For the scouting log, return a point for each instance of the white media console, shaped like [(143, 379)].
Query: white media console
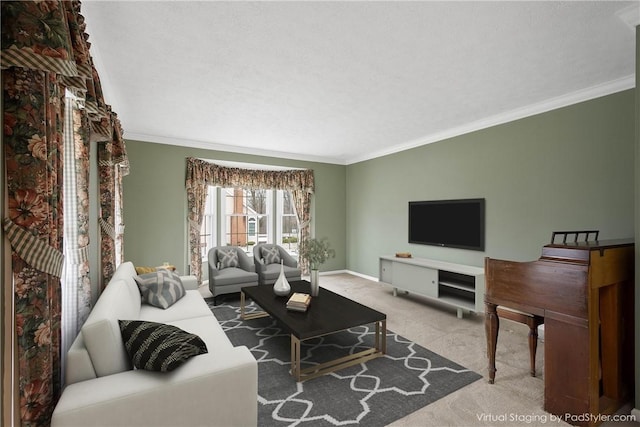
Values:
[(461, 286)]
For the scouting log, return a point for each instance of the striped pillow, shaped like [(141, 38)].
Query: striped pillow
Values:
[(159, 347), (162, 288)]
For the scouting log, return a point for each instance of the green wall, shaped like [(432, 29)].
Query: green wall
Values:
[(155, 203), (568, 169)]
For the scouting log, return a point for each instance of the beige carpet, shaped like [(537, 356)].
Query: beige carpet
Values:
[(515, 399)]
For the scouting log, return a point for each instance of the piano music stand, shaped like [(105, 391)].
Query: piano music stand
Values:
[(576, 236)]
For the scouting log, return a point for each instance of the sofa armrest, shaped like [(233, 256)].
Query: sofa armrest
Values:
[(189, 282), (217, 388), (259, 265)]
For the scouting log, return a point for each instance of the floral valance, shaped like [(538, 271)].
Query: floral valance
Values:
[(202, 172), (50, 36), (36, 36)]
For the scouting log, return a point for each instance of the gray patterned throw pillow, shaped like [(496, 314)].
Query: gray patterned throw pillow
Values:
[(227, 258), (270, 255), (159, 347), (162, 288)]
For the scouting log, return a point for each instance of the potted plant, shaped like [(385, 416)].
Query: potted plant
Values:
[(316, 251)]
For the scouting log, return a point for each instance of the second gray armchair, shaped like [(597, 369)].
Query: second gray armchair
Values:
[(267, 257)]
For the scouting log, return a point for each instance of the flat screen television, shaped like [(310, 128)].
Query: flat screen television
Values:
[(449, 223)]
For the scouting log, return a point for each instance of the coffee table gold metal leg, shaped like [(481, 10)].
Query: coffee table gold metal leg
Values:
[(383, 337), (241, 305), (295, 358), (379, 349), (248, 316)]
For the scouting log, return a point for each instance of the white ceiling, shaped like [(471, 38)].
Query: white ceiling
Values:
[(342, 82)]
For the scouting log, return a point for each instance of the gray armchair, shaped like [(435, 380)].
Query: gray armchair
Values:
[(268, 268), (229, 270)]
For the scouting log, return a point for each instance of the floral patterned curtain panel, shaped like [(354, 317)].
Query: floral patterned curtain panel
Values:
[(32, 142), (201, 174), (45, 50)]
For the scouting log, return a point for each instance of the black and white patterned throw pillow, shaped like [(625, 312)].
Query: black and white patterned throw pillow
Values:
[(162, 288), (227, 258), (270, 255), (159, 347)]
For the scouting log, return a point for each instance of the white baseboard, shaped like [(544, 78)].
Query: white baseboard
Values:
[(353, 273), (332, 272), (364, 276), (636, 413)]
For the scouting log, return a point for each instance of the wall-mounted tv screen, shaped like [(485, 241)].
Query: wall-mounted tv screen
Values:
[(450, 223)]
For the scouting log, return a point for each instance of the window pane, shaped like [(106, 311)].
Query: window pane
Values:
[(287, 205), (288, 222), (256, 201), (247, 217), (289, 225), (263, 224), (208, 229)]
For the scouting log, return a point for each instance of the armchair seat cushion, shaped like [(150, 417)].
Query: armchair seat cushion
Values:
[(232, 276), (272, 271)]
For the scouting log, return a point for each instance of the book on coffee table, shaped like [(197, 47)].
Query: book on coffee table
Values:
[(299, 301)]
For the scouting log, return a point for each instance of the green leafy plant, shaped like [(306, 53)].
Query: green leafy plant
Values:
[(317, 251)]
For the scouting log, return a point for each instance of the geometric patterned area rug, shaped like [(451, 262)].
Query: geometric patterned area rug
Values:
[(374, 393)]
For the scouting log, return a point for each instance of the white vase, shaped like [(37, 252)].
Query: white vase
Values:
[(281, 287), (315, 283)]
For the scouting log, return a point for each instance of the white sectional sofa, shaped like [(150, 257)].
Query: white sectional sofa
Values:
[(218, 388)]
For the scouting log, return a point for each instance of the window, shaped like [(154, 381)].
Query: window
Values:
[(209, 225), (287, 222), (248, 217)]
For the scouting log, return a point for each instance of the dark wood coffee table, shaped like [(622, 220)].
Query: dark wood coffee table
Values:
[(328, 313)]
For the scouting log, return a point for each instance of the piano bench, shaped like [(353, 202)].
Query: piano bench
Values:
[(532, 321)]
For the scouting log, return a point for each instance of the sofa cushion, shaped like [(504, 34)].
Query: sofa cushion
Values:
[(227, 258), (157, 346), (208, 329), (191, 305), (162, 288), (271, 255), (101, 333)]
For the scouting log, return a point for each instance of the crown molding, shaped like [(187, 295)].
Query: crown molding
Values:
[(608, 88), (229, 148), (630, 16)]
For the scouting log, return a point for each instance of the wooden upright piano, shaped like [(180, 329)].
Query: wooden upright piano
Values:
[(585, 292)]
